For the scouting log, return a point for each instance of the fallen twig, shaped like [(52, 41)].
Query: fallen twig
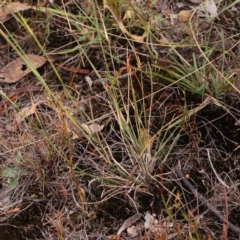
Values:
[(204, 201), (128, 223), (16, 93)]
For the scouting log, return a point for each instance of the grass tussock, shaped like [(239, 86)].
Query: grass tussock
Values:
[(134, 129)]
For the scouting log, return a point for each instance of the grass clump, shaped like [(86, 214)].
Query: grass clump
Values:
[(135, 107)]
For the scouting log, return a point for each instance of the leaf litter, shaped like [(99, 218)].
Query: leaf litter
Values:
[(17, 69), (79, 160), (13, 7)]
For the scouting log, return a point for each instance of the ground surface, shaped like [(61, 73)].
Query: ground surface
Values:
[(158, 89)]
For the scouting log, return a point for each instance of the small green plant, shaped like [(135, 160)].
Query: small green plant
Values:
[(14, 173), (203, 80)]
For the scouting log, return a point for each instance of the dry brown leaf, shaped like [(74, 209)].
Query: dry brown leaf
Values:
[(13, 7), (16, 7), (21, 115), (77, 130), (93, 128), (131, 220), (26, 111), (74, 129), (17, 69)]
